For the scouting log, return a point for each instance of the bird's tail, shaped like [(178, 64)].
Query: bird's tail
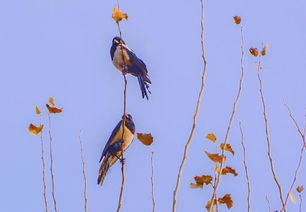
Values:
[(103, 170), (144, 85)]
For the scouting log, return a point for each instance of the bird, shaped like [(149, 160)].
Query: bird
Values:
[(126, 61), (116, 142)]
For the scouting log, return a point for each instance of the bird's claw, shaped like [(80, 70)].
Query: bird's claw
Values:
[(122, 160)]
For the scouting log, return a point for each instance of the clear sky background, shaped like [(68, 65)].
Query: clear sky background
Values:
[(61, 49)]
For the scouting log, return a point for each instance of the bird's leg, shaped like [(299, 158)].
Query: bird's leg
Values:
[(124, 69), (116, 148)]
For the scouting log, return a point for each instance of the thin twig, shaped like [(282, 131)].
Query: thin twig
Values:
[(83, 172), (300, 202), (51, 166), (246, 168), (152, 183), (268, 203), (44, 171), (235, 105), (301, 154), (196, 114), (268, 136)]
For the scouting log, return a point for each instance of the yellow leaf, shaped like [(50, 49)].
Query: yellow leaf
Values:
[(118, 15), (54, 109), (35, 130), (216, 157), (264, 50), (146, 139), (227, 147), (237, 20), (37, 111), (254, 52), (51, 101), (208, 204), (292, 197), (227, 199), (200, 181), (211, 137), (300, 188), (226, 170)]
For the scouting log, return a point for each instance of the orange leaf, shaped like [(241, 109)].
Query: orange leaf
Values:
[(118, 15), (216, 157), (292, 197), (208, 204), (254, 52), (300, 188), (146, 139), (211, 137), (226, 200), (37, 111), (35, 130), (237, 20), (264, 50), (226, 170), (227, 147), (54, 109), (51, 101), (200, 181)]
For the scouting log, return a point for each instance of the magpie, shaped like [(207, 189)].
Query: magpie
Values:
[(112, 149), (126, 61)]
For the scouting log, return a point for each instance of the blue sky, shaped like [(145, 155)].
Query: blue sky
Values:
[(61, 49)]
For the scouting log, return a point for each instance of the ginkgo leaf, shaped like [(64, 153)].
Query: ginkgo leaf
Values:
[(211, 137), (292, 197), (51, 101), (254, 52), (200, 181), (300, 188), (226, 199), (227, 147), (226, 170), (118, 15), (35, 130), (207, 206), (54, 109), (237, 20), (216, 157), (146, 139), (264, 50), (37, 111)]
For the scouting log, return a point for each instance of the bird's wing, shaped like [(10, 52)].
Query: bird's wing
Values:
[(135, 61), (110, 140)]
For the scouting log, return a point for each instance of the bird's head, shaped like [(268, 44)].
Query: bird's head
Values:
[(117, 40), (128, 117)]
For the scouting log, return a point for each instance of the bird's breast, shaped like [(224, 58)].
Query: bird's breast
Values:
[(121, 58)]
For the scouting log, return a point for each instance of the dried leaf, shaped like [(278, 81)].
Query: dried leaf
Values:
[(227, 147), (208, 204), (146, 139), (237, 20), (37, 111), (216, 157), (211, 137), (51, 101), (200, 181), (226, 170), (300, 188), (35, 130), (54, 109), (264, 50), (118, 15), (227, 199), (254, 52), (292, 197)]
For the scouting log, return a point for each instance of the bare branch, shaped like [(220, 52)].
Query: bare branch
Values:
[(152, 183), (44, 171), (83, 172), (268, 203), (195, 116)]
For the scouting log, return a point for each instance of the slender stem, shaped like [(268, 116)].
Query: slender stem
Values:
[(301, 153), (44, 171), (268, 136), (51, 167), (152, 183), (246, 168), (196, 114), (268, 203), (83, 172), (235, 105), (300, 210)]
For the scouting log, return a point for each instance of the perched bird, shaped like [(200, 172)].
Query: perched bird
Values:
[(126, 61), (112, 149)]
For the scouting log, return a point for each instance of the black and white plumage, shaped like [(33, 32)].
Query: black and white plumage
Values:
[(112, 149), (126, 61)]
